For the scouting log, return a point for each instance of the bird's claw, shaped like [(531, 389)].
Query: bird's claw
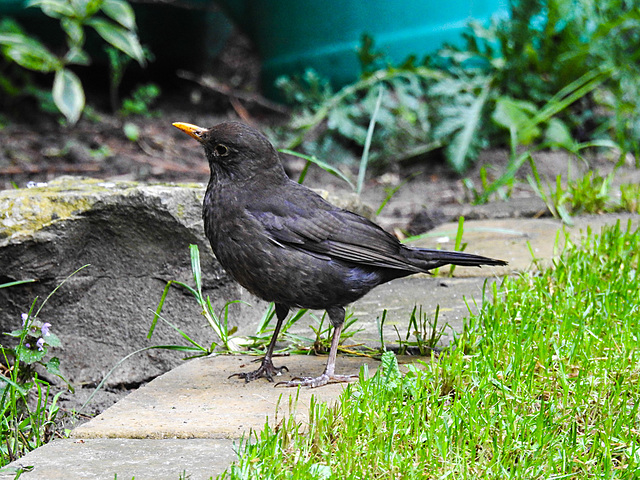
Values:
[(266, 370), (314, 382)]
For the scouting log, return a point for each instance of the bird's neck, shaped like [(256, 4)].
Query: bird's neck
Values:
[(246, 178)]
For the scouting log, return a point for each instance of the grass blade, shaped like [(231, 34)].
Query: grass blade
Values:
[(364, 161), (323, 165)]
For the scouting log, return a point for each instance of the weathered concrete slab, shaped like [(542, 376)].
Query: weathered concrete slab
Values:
[(455, 297), (104, 458), (197, 400), (507, 239)]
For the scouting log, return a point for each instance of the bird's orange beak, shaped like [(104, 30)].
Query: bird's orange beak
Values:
[(191, 130)]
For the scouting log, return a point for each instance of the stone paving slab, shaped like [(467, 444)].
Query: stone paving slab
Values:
[(455, 296), (507, 239), (197, 400), (104, 458)]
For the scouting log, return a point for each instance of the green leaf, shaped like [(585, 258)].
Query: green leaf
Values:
[(325, 166), (29, 53), (17, 282), (77, 56), (195, 266), (85, 9), (558, 134), (367, 143), (460, 148), (53, 366), (120, 38), (91, 7), (389, 370), (29, 356), (68, 94), (131, 131), (75, 32), (515, 116), (52, 340), (53, 8), (121, 12), (8, 25)]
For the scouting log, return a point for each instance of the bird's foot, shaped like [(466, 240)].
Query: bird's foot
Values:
[(266, 370), (313, 382)]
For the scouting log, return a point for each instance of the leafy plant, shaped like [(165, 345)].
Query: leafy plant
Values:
[(26, 424), (114, 22), (549, 75), (364, 160), (142, 97), (219, 324), (425, 331), (141, 100), (402, 120), (630, 197)]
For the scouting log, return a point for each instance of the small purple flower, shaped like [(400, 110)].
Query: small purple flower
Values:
[(25, 317), (40, 344), (45, 329)]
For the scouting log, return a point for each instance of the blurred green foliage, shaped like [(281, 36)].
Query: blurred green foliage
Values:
[(114, 22), (556, 73)]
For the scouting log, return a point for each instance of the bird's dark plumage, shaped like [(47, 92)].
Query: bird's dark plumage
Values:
[(286, 244)]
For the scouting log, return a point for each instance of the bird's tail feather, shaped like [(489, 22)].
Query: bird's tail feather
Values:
[(427, 259)]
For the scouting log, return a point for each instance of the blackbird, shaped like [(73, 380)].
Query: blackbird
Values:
[(287, 245)]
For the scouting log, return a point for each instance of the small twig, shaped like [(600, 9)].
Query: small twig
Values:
[(242, 112)]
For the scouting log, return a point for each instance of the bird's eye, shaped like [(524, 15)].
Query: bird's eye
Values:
[(221, 150)]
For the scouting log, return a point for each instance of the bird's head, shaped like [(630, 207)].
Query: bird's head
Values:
[(236, 150)]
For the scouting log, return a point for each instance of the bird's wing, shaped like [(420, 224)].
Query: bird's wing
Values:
[(307, 222)]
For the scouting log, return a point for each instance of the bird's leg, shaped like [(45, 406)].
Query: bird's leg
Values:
[(336, 315), (267, 369)]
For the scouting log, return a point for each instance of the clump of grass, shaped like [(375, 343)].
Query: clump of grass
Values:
[(542, 383), (588, 194), (219, 323), (424, 330), (630, 197)]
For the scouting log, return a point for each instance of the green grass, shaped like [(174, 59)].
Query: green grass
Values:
[(541, 384), (589, 194)]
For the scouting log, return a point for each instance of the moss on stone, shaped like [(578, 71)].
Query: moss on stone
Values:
[(25, 211)]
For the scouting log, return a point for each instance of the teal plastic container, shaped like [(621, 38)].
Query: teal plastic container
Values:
[(293, 35)]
